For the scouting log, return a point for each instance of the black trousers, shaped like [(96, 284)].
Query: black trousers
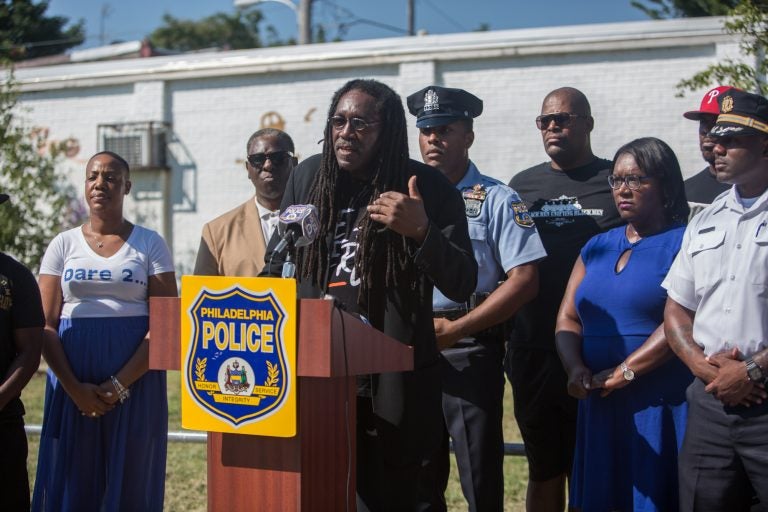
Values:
[(473, 392), (14, 482), (398, 431), (724, 459)]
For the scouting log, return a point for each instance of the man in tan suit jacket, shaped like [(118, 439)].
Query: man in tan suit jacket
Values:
[(234, 243)]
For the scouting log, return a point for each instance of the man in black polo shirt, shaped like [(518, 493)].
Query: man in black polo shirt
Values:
[(21, 338), (570, 201)]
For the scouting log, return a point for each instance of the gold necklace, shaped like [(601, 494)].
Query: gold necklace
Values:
[(634, 232)]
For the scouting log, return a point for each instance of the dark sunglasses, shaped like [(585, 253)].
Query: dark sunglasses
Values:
[(357, 124), (560, 118), (632, 181), (277, 158)]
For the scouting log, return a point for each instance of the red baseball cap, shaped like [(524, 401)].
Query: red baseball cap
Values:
[(708, 104)]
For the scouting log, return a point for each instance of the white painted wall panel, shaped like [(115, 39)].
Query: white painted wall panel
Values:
[(215, 101)]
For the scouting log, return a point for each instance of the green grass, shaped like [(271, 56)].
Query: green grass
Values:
[(185, 479)]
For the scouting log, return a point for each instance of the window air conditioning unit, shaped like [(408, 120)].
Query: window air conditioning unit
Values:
[(142, 144)]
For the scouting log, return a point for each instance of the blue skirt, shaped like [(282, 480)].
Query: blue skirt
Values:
[(115, 462), (628, 442)]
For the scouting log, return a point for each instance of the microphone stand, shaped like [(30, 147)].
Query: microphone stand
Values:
[(289, 267)]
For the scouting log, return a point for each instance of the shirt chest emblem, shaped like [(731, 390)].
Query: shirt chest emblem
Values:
[(473, 200), (6, 298)]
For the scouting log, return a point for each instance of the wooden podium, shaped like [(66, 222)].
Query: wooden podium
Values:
[(315, 470)]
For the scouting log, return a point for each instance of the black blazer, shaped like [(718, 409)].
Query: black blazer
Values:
[(408, 402)]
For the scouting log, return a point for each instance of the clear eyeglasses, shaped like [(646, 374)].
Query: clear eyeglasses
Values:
[(632, 181)]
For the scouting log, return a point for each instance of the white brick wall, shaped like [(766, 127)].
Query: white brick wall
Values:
[(215, 101)]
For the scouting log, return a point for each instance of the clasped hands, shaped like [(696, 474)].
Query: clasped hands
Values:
[(94, 400), (726, 378), (581, 381)]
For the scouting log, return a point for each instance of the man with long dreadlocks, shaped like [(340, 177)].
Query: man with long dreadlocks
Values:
[(391, 229)]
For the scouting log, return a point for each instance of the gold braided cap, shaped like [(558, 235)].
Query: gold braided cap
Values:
[(743, 120)]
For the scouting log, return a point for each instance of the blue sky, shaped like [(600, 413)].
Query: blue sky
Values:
[(352, 19)]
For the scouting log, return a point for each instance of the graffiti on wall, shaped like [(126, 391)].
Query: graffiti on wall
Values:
[(40, 138)]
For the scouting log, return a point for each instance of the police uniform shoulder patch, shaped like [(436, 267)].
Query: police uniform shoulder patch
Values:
[(522, 217), (473, 200)]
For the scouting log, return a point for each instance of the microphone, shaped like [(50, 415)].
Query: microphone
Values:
[(298, 226)]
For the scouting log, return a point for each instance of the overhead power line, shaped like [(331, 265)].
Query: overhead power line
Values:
[(443, 15)]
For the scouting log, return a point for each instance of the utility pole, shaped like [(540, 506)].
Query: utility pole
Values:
[(411, 16), (106, 10), (303, 12), (305, 21)]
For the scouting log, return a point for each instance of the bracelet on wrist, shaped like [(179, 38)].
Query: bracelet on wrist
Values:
[(123, 393)]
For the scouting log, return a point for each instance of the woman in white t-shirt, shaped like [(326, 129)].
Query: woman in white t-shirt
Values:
[(103, 444)]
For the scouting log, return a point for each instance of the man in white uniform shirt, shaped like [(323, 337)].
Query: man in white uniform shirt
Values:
[(234, 243), (716, 319)]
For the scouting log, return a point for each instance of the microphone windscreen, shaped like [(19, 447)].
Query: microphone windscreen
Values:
[(303, 219)]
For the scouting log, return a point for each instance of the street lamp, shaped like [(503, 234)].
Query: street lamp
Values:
[(303, 15)]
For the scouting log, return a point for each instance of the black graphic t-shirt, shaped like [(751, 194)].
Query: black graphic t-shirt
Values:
[(20, 307), (343, 281), (568, 208)]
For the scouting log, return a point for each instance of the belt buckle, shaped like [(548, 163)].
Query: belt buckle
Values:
[(476, 299), (451, 314)]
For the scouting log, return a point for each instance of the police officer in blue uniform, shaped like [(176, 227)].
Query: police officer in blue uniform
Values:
[(471, 335)]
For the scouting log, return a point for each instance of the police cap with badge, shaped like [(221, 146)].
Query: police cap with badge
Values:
[(437, 106), (741, 113)]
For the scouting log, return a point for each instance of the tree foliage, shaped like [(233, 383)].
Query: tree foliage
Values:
[(234, 31), (661, 9), (26, 32), (40, 199), (748, 21)]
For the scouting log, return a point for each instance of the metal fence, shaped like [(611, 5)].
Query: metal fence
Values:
[(202, 437)]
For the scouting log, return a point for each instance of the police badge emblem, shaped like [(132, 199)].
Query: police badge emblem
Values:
[(473, 200), (431, 101), (522, 216), (236, 366)]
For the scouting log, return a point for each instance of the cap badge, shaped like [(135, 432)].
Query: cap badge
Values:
[(431, 101), (727, 105)]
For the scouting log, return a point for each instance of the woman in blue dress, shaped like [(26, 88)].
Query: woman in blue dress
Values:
[(610, 338), (103, 444)]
